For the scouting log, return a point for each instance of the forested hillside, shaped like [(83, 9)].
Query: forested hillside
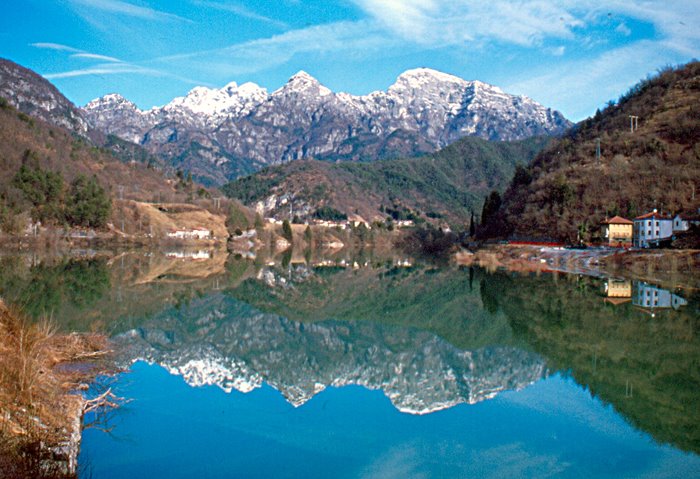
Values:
[(446, 185), (568, 190)]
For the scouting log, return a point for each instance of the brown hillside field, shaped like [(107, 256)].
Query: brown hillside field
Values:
[(157, 219)]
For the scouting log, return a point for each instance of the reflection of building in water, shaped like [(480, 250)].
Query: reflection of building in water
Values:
[(201, 254), (652, 297), (618, 291)]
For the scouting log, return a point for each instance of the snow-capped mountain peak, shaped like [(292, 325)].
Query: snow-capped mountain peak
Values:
[(303, 82), (305, 119), (419, 77)]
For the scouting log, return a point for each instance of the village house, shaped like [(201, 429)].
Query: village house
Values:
[(617, 231), (683, 221), (651, 229), (195, 233)]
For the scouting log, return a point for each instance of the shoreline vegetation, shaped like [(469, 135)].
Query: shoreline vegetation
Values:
[(43, 379)]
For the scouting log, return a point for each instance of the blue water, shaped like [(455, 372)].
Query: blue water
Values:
[(554, 428)]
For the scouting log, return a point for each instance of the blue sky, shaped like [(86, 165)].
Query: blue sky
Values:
[(572, 55)]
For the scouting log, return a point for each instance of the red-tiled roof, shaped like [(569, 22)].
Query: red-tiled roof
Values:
[(653, 214), (617, 220)]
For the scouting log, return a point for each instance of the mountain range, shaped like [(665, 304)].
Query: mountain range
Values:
[(219, 134)]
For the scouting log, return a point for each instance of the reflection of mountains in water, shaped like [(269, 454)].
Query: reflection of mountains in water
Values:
[(219, 341)]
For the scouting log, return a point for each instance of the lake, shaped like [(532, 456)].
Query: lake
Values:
[(370, 366)]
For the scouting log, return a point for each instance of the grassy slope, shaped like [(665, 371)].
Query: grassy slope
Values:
[(451, 182), (657, 166)]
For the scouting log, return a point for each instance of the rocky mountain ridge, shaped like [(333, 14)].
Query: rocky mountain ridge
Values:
[(33, 95), (220, 133)]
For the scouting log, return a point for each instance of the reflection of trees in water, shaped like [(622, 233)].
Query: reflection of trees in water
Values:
[(78, 282), (646, 367), (439, 300)]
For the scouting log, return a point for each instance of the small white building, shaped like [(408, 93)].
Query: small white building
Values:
[(651, 229), (683, 221), (196, 233)]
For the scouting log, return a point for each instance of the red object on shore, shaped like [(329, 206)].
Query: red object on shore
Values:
[(535, 243)]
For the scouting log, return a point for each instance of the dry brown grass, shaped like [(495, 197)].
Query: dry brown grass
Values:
[(38, 379)]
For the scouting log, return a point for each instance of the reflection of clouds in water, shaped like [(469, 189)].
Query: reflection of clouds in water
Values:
[(512, 460), (410, 460), (672, 466), (397, 463), (563, 398)]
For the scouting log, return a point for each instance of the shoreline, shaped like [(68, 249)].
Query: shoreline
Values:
[(43, 376), (666, 267)]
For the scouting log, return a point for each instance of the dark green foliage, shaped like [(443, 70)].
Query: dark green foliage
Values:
[(287, 231), (42, 188), (430, 242), (451, 181), (236, 218), (492, 204), (88, 204), (250, 189), (522, 176), (48, 288), (329, 213)]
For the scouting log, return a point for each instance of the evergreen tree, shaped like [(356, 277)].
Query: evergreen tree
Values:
[(88, 204), (43, 189), (287, 231), (491, 206), (472, 226)]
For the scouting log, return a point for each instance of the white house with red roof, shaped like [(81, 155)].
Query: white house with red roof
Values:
[(651, 229)]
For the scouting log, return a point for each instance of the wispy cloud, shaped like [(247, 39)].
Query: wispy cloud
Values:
[(105, 69), (347, 38), (573, 86), (242, 11), (120, 7), (458, 21), (114, 66), (55, 46), (96, 56)]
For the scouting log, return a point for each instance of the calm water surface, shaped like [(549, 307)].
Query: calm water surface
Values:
[(354, 367)]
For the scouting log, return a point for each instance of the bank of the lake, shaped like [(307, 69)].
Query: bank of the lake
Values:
[(667, 267), (43, 379)]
